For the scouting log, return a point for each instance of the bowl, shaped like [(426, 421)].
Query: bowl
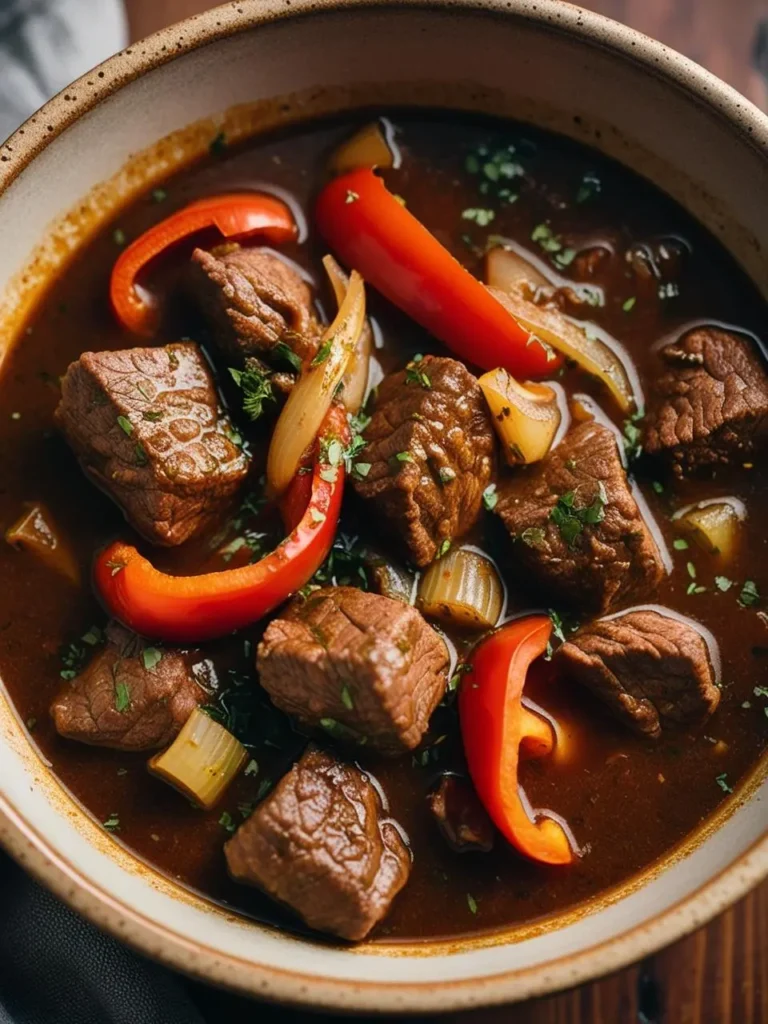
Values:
[(255, 64)]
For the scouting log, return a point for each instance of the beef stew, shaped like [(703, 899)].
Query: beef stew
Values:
[(609, 512)]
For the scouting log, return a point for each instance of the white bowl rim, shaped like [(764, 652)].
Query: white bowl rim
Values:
[(34, 851)]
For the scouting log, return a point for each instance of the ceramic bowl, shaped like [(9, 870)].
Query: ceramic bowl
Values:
[(251, 65)]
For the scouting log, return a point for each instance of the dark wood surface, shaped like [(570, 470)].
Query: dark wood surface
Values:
[(719, 975)]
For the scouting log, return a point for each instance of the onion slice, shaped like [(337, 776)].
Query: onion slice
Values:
[(202, 761), (526, 416), (355, 380), (368, 147), (506, 281), (462, 588), (312, 395), (713, 526), (35, 531)]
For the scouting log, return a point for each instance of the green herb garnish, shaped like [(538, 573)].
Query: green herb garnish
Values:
[(256, 388)]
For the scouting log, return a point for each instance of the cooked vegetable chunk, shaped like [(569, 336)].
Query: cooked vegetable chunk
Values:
[(320, 844), (461, 818), (361, 666), (429, 449), (652, 670), (130, 696), (147, 427), (578, 532), (710, 406)]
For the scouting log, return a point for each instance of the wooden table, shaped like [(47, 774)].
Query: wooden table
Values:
[(719, 975)]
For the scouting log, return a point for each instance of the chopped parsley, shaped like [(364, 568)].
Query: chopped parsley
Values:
[(629, 305), (153, 415), (458, 672), (749, 595), (346, 698), (547, 239), (723, 583), (571, 520), (722, 781), (415, 375), (533, 536), (75, 654), (151, 657), (472, 903), (255, 386), (112, 824), (140, 453), (122, 697), (590, 186), (691, 570), (118, 237), (159, 195), (322, 353), (252, 768), (446, 474), (657, 486), (761, 691), (340, 731), (444, 548), (557, 624), (490, 497), (682, 545), (286, 353), (480, 215), (227, 822), (361, 469), (632, 436), (125, 425)]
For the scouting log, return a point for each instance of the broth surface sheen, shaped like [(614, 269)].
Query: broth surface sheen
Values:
[(627, 801)]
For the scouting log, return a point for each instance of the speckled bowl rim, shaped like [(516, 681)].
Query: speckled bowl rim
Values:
[(33, 851)]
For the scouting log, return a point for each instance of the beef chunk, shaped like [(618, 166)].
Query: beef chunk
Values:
[(253, 301), (147, 427), (430, 445), (360, 665), (652, 670), (710, 405), (578, 532), (319, 844), (461, 818), (127, 699)]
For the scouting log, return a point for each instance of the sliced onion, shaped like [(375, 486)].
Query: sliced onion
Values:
[(526, 417), (553, 327), (462, 588), (311, 396), (713, 526), (355, 380), (202, 761), (508, 271), (389, 579), (35, 531), (367, 148)]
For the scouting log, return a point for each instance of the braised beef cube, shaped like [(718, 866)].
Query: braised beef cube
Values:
[(710, 406), (364, 667), (579, 534), (130, 696), (254, 302), (147, 427), (652, 670), (430, 448), (461, 818), (320, 844)]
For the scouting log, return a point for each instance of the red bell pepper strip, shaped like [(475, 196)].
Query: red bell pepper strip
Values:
[(236, 216), (369, 229), (493, 729), (188, 609)]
